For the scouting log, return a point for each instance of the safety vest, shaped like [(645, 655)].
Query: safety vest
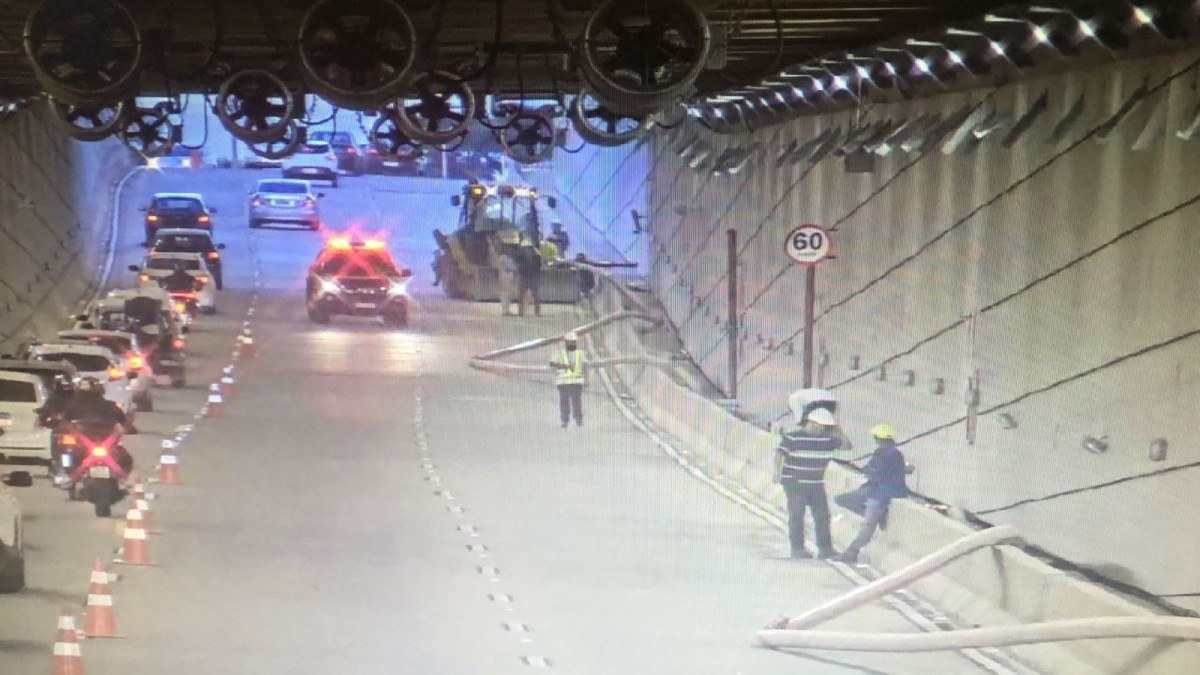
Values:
[(573, 373)]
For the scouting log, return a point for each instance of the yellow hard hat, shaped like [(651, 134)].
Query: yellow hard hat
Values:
[(884, 431)]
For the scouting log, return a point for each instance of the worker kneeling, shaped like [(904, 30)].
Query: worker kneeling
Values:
[(801, 459), (569, 377), (885, 472)]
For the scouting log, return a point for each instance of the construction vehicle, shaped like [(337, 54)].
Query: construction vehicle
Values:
[(493, 220)]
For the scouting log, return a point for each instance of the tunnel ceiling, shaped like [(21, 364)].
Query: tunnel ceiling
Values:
[(617, 68), (745, 36)]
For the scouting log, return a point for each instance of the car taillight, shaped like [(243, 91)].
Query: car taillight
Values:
[(115, 373), (136, 363), (143, 278), (202, 278), (352, 152), (202, 219), (151, 217), (177, 343), (99, 451), (67, 439), (213, 255)]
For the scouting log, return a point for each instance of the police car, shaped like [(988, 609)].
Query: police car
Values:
[(357, 278)]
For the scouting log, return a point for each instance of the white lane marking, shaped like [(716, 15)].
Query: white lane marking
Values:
[(915, 610)]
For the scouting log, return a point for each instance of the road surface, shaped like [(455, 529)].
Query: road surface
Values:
[(368, 504)]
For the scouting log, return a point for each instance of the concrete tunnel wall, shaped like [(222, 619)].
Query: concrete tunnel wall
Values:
[(55, 218), (1057, 272)]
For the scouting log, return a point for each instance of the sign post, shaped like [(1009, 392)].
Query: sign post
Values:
[(808, 245), (731, 327)]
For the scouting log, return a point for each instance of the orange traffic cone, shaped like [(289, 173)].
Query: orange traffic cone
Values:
[(135, 548), (100, 620), (216, 403), (247, 341), (168, 464), (142, 505), (227, 381), (67, 659)]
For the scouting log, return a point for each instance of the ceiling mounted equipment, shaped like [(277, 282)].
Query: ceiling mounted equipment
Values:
[(356, 54)]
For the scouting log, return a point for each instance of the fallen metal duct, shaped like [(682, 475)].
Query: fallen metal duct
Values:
[(795, 633)]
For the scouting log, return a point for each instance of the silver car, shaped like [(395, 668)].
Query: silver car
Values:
[(282, 200)]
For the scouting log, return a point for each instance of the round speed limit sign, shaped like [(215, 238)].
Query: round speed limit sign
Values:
[(808, 244)]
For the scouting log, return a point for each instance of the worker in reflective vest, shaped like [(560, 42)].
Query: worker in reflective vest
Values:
[(569, 377)]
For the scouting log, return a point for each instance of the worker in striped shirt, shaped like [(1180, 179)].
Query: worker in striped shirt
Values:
[(801, 459)]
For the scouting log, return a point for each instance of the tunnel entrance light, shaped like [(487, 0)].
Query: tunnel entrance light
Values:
[(1142, 16)]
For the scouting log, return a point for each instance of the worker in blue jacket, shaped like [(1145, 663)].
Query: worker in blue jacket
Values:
[(885, 472)]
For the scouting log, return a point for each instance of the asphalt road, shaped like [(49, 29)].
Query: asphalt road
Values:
[(368, 504)]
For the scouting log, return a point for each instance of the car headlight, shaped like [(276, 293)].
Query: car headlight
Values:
[(330, 286)]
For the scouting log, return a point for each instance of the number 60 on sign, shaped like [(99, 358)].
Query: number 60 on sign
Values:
[(807, 244)]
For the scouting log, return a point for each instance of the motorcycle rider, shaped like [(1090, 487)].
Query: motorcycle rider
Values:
[(88, 403), (178, 280)]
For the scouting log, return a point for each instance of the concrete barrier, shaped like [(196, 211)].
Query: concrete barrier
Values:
[(56, 197), (992, 587)]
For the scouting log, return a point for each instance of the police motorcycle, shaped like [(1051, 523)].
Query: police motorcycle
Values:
[(95, 462)]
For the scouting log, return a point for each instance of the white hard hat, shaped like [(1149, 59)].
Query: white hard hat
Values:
[(571, 337), (822, 416)]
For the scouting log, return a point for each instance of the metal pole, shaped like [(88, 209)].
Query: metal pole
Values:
[(732, 327), (810, 293)]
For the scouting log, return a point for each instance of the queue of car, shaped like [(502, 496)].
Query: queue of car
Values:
[(129, 340)]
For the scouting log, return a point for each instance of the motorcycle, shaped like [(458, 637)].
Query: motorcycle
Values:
[(184, 291), (95, 463)]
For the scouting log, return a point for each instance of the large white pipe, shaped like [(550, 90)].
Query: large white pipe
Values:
[(1093, 628), (581, 330), (900, 578)]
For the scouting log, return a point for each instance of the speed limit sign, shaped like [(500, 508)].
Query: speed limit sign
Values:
[(808, 244)]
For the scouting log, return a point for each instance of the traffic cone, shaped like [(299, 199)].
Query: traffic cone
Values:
[(216, 402), (135, 548), (100, 620), (67, 659), (142, 505), (247, 341), (168, 464), (227, 383)]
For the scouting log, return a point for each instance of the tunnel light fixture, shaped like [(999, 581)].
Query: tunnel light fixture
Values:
[(1043, 9), (956, 57), (1039, 33), (997, 47), (938, 386), (1096, 446), (996, 18), (1142, 16), (922, 43), (1087, 28), (1007, 420), (1158, 450)]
